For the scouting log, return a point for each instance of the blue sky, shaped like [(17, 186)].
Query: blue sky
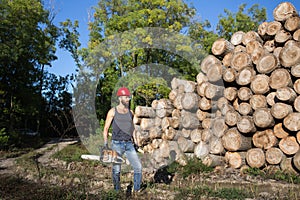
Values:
[(79, 10)]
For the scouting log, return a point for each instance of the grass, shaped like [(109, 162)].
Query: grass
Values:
[(71, 153)]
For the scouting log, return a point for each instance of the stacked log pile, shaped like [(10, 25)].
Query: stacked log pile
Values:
[(242, 109)]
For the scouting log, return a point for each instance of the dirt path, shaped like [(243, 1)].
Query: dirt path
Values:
[(7, 165)]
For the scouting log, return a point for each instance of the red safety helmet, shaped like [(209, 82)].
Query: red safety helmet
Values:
[(123, 91)]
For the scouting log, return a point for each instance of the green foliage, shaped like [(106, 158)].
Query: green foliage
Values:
[(4, 138), (71, 153)]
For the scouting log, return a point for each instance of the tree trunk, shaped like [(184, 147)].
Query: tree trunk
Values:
[(260, 84), (257, 54), (245, 76), (237, 38), (206, 135), (274, 156), (280, 78), (246, 125), (284, 11), (166, 123), (169, 134), (289, 145), (263, 118), (147, 123), (264, 139), (290, 54), (292, 23), (213, 160), (144, 111), (262, 29), (258, 101), (255, 158), (235, 159), (205, 104), (241, 60), (186, 132), (155, 132), (201, 88), (281, 110), (252, 45), (214, 72), (232, 140), (267, 64), (279, 131), (287, 166), (186, 145), (221, 46), (201, 150)]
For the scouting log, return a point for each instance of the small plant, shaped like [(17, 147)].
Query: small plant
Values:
[(71, 153), (194, 166)]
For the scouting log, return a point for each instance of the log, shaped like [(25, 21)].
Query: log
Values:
[(216, 146), (173, 94), (291, 122), (296, 35), (295, 71), (214, 72), (196, 135), (166, 123), (189, 101), (232, 117), (177, 103), (262, 29), (219, 126), (201, 89), (263, 118), (264, 139), (201, 115), (283, 11), (287, 167), (144, 111), (270, 46), (280, 78), (251, 35), (154, 104), (136, 120), (292, 23), (213, 91), (207, 62), (164, 148), (201, 150), (297, 104), (207, 123), (286, 94), (213, 160), (246, 125), (180, 157), (290, 54), (164, 108), (206, 135), (201, 78), (296, 86), (241, 60), (245, 76), (237, 38), (175, 122), (271, 98), (189, 120), (274, 156), (229, 74), (155, 132), (244, 94), (140, 136), (205, 104), (188, 86), (258, 101), (235, 159), (230, 93), (282, 36), (226, 61), (245, 108), (147, 123), (260, 84), (267, 63), (186, 132), (298, 137), (176, 113), (276, 51), (289, 145), (221, 46), (279, 131), (233, 140), (186, 145), (281, 110), (296, 161), (169, 134), (255, 158), (257, 54), (273, 27), (252, 45)]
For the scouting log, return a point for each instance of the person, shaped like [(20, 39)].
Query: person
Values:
[(121, 120)]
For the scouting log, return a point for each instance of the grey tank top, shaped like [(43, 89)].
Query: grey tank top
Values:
[(122, 126)]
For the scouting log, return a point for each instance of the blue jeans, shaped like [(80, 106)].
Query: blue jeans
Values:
[(126, 147)]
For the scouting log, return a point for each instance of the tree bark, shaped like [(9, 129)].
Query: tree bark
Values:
[(289, 145), (274, 156), (264, 139), (255, 158), (232, 140)]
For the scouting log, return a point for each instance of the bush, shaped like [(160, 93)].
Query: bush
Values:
[(4, 139)]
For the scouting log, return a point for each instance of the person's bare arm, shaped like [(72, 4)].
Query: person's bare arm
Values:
[(109, 117)]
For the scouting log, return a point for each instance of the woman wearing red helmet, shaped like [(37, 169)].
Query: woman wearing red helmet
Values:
[(120, 117)]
